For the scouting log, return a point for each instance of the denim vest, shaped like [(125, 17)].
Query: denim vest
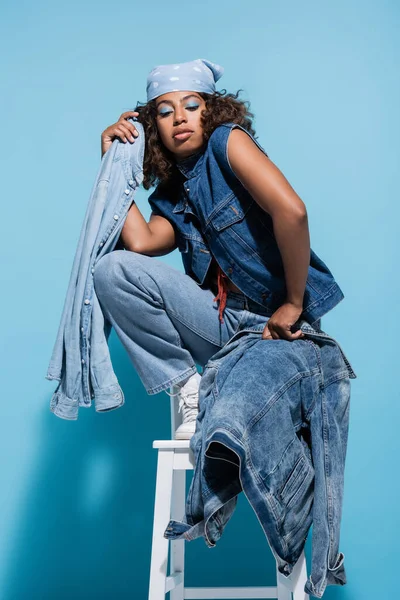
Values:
[(213, 213)]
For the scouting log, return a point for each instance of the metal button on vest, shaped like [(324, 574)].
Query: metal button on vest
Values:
[(116, 217), (87, 301), (127, 192), (83, 361), (130, 182)]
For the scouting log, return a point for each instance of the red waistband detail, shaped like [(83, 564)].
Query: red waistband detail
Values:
[(222, 292)]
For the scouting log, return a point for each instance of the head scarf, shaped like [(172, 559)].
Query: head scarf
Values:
[(198, 75)]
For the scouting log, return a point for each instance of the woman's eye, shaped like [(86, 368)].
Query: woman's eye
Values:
[(169, 112)]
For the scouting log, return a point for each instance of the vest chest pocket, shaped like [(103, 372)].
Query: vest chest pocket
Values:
[(232, 211)]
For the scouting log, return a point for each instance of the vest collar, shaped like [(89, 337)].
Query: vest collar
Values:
[(190, 165)]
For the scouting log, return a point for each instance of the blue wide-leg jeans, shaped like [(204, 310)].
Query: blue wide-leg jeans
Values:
[(164, 319)]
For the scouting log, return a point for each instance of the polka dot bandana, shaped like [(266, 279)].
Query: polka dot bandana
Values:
[(197, 75)]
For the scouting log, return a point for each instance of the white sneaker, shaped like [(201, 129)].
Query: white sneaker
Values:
[(188, 395)]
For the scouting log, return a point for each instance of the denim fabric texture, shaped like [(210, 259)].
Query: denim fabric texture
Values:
[(80, 359), (273, 422), (165, 321), (211, 210)]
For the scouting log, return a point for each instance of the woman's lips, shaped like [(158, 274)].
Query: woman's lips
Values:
[(183, 136)]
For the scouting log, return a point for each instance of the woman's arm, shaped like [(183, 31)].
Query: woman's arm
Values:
[(154, 238), (271, 190)]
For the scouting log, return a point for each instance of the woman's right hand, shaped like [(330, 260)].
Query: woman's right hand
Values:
[(122, 129)]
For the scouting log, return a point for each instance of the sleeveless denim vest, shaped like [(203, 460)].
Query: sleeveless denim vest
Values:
[(213, 214)]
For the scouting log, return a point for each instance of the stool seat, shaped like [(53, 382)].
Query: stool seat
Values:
[(175, 457), (171, 444)]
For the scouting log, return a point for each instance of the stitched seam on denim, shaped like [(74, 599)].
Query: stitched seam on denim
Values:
[(170, 382), (231, 352), (327, 470), (227, 428), (194, 237), (316, 396), (322, 298), (220, 206), (248, 279), (294, 474), (248, 248), (275, 397), (288, 536), (301, 486), (244, 314), (191, 499), (317, 351), (282, 457), (268, 495), (238, 216), (330, 340), (254, 252), (336, 377), (193, 328)]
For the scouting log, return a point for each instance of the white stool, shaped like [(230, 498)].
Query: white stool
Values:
[(174, 459)]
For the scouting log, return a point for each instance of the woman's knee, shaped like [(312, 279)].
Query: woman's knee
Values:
[(114, 267)]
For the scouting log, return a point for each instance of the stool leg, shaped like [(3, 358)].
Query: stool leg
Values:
[(299, 578), (283, 584), (177, 547), (294, 584), (162, 512)]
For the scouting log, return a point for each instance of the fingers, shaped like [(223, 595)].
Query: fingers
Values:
[(126, 131), (128, 113), (130, 131), (266, 336), (269, 334)]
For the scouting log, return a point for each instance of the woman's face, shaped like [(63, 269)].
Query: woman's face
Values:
[(178, 111)]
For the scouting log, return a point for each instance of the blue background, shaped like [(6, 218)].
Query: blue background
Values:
[(322, 78)]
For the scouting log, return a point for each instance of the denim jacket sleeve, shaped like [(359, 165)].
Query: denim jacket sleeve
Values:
[(80, 360)]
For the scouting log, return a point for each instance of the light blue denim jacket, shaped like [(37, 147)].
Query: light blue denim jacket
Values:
[(81, 359), (273, 422)]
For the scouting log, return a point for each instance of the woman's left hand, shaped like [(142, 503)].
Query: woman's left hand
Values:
[(279, 324)]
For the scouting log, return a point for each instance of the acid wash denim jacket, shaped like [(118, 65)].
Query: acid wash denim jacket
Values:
[(81, 359), (273, 422), (210, 209)]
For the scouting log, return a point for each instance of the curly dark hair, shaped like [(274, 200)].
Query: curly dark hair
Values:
[(159, 164)]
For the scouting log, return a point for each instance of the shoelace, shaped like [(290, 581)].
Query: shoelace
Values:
[(189, 413)]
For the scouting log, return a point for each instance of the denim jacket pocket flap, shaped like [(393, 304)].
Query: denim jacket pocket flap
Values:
[(232, 211)]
